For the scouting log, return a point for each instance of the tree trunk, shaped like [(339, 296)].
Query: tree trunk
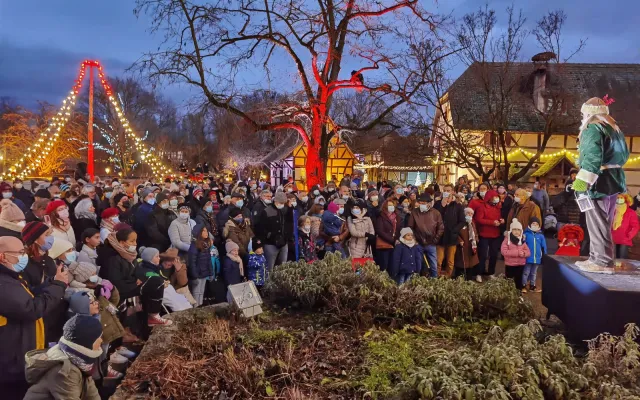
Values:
[(315, 166)]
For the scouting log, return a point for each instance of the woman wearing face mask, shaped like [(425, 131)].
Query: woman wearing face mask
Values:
[(506, 203), (21, 314), (361, 231), (335, 228), (180, 230), (314, 193), (466, 258), (123, 204), (307, 249), (12, 219), (238, 231), (159, 221), (86, 218), (479, 197), (57, 215), (388, 226), (207, 217), (404, 210), (38, 241), (110, 218)]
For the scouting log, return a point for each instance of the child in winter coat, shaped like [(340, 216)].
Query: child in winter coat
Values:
[(306, 240), (203, 262), (257, 265), (515, 252), (537, 245), (232, 267), (334, 227), (407, 257)]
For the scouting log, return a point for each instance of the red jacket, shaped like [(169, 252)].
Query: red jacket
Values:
[(485, 216), (476, 203), (627, 230)]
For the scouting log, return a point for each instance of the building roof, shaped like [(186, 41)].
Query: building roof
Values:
[(577, 83), (395, 149)]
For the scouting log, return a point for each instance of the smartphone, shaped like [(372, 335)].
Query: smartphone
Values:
[(60, 264)]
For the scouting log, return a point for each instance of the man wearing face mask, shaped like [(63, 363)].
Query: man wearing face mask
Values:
[(541, 197), (524, 208), (266, 198), (237, 201), (21, 312), (427, 226), (19, 192), (373, 204), (329, 191), (270, 228), (488, 221), (453, 218), (506, 203), (252, 193), (303, 204), (142, 215), (159, 222), (7, 193)]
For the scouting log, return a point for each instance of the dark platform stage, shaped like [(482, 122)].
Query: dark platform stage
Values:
[(591, 303)]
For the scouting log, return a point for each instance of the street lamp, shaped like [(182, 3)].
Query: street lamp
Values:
[(107, 170)]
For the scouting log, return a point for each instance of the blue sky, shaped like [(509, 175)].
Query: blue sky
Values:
[(42, 42)]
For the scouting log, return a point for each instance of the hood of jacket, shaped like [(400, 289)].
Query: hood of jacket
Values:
[(490, 195), (39, 362)]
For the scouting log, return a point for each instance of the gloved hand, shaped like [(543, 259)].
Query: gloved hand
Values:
[(580, 186)]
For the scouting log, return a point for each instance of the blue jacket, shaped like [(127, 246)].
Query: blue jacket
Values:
[(257, 268), (202, 264), (231, 272), (537, 244), (332, 223), (406, 260), (140, 223)]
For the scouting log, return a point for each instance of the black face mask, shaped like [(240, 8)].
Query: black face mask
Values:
[(126, 205)]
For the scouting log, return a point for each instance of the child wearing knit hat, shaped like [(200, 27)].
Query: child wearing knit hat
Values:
[(515, 252), (257, 265), (407, 257), (537, 244), (232, 266)]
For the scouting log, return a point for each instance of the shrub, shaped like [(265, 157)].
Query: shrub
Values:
[(514, 365)]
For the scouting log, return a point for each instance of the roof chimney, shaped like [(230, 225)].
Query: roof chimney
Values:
[(541, 63)]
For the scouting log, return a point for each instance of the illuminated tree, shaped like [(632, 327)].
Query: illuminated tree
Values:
[(373, 46)]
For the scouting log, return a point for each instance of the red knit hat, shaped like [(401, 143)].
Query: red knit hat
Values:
[(109, 213), (51, 207)]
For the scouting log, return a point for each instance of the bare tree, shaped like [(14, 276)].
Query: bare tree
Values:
[(206, 45)]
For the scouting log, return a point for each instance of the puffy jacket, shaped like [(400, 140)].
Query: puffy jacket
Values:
[(537, 245), (231, 272), (141, 219), (257, 268), (359, 229), (238, 234), (158, 228), (201, 263), (453, 220), (53, 376), (428, 227), (406, 260), (524, 212), (112, 329), (485, 216), (118, 271), (270, 226), (180, 234), (21, 323), (514, 255), (628, 228)]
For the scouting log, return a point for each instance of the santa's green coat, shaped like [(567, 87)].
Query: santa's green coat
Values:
[(603, 152)]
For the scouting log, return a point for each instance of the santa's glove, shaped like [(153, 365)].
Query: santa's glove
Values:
[(580, 186)]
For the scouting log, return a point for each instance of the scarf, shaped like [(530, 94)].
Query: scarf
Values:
[(124, 253), (472, 235), (515, 240), (91, 253), (237, 259), (79, 356), (408, 243), (621, 209), (107, 223)]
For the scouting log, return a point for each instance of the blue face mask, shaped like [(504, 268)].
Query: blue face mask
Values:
[(22, 263), (151, 201), (48, 243), (239, 203), (238, 219), (71, 257), (208, 209)]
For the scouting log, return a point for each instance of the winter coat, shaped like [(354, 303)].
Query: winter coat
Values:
[(158, 228), (88, 255), (453, 220), (80, 225), (524, 213), (231, 272), (209, 221), (141, 219), (68, 235), (428, 227), (477, 202), (257, 268), (360, 229), (53, 376), (145, 270), (118, 271), (307, 246), (485, 216), (112, 329), (200, 263), (180, 234), (10, 229), (256, 210), (388, 229), (21, 320), (537, 245), (406, 260), (373, 211), (37, 272), (24, 196), (238, 234), (514, 255), (331, 226), (542, 197), (628, 229), (466, 256), (270, 226)]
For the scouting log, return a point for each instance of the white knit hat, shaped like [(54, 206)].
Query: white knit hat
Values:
[(59, 247), (515, 224), (405, 231)]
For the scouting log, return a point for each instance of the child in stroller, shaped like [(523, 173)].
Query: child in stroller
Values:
[(570, 237)]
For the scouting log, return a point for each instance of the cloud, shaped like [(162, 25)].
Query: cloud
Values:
[(32, 74)]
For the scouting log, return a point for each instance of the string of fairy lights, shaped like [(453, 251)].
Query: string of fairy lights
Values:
[(47, 139)]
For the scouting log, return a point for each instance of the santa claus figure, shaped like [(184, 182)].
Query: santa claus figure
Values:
[(603, 152)]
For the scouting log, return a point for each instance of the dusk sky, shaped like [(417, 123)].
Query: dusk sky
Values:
[(43, 42)]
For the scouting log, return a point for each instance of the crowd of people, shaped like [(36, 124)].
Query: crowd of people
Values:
[(88, 268)]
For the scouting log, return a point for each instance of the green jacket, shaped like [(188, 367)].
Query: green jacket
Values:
[(603, 152)]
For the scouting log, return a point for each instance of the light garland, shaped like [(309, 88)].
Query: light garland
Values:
[(40, 149), (392, 167)]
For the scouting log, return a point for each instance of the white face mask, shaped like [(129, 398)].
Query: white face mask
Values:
[(184, 216), (7, 195), (279, 206), (316, 192), (446, 195), (517, 199), (341, 211), (18, 186), (294, 204), (173, 202), (64, 214), (374, 198), (305, 199), (132, 249), (391, 208), (22, 224), (424, 207), (483, 193), (534, 228), (356, 211)]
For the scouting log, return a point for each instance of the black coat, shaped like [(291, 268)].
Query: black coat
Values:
[(158, 228), (25, 196), (19, 311), (231, 272), (384, 228), (82, 224), (118, 271), (8, 232), (198, 263), (256, 210), (270, 226), (453, 219), (31, 217)]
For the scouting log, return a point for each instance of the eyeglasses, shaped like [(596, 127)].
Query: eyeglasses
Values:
[(20, 253)]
